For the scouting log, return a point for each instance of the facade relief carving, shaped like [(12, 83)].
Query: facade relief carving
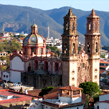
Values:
[(83, 67)]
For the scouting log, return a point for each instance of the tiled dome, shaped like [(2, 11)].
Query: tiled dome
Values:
[(33, 38)]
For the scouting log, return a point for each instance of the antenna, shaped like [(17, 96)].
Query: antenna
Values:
[(48, 31), (28, 18)]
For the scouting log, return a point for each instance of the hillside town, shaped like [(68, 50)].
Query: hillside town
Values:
[(54, 73)]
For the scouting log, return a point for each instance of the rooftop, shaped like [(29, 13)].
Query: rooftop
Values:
[(19, 96)]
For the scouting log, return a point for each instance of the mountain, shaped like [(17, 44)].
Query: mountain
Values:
[(16, 19)]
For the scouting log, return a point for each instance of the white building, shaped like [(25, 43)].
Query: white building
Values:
[(68, 97), (103, 102)]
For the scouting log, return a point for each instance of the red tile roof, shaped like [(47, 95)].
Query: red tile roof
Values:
[(70, 88), (103, 66), (34, 92), (105, 62), (54, 90), (53, 95), (22, 97)]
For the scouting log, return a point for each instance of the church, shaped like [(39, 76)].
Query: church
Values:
[(38, 67)]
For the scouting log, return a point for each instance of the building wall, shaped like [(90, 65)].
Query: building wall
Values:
[(17, 64), (79, 107), (39, 81), (15, 76), (104, 97), (101, 105), (95, 71), (69, 100), (65, 73), (76, 100), (65, 99), (47, 107), (73, 73), (5, 76)]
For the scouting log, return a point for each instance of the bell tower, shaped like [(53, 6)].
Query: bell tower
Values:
[(92, 45), (69, 50)]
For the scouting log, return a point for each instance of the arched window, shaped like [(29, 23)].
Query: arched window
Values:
[(90, 26), (72, 26), (46, 65), (56, 66), (67, 26), (88, 47), (29, 68), (73, 48), (95, 26), (96, 47), (32, 50), (36, 64), (65, 48)]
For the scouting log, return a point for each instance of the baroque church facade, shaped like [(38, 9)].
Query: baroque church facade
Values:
[(40, 68), (78, 68)]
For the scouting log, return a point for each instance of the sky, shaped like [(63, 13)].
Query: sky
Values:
[(87, 5)]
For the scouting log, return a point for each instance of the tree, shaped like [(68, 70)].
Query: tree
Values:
[(102, 55), (45, 90), (54, 49), (2, 58), (91, 89)]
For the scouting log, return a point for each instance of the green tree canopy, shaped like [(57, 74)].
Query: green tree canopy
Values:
[(54, 50), (91, 89), (10, 46), (45, 90), (102, 55)]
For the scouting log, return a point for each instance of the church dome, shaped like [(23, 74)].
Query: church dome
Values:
[(33, 38)]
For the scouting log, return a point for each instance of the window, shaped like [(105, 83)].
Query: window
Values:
[(88, 47), (83, 65), (95, 76), (73, 48), (56, 66), (46, 66), (96, 47), (73, 26), (33, 50), (95, 70), (73, 72), (36, 64), (67, 26), (95, 26), (90, 26), (78, 69), (65, 48), (73, 85), (41, 51), (73, 79)]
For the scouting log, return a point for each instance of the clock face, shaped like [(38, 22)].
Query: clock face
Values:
[(33, 39)]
